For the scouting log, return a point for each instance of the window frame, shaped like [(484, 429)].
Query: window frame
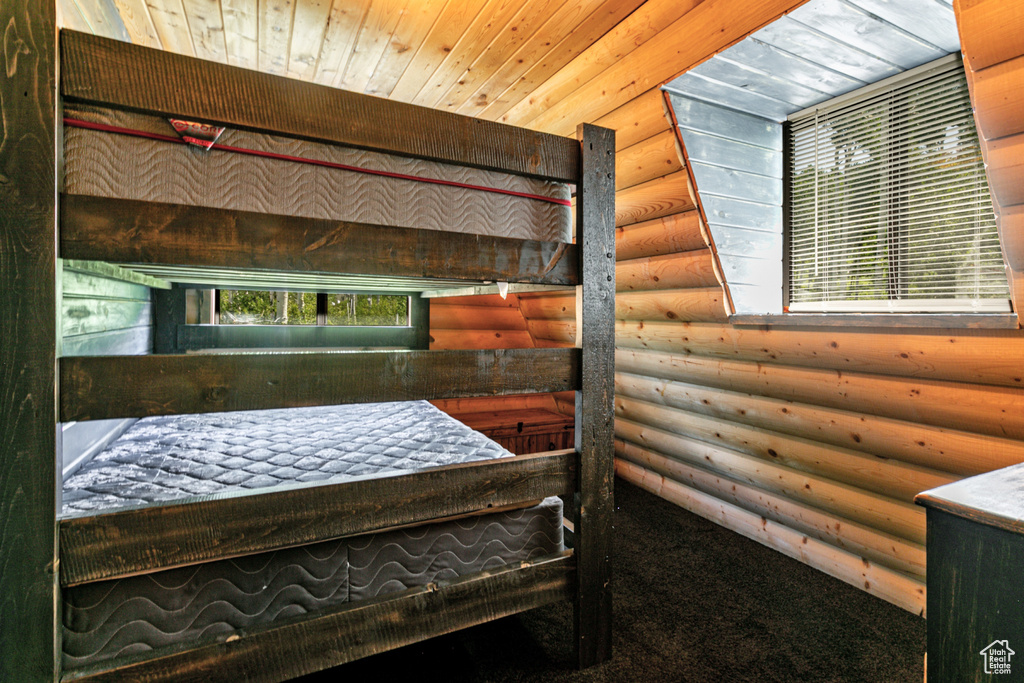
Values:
[(216, 336), (858, 100)]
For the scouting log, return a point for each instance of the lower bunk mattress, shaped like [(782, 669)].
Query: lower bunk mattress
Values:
[(170, 459)]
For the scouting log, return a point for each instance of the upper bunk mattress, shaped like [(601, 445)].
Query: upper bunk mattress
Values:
[(109, 164), (162, 459)]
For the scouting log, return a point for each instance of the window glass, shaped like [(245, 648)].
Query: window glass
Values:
[(249, 307), (889, 204), (368, 310)]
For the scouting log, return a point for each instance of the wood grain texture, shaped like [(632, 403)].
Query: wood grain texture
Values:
[(480, 339), (343, 24), (241, 32), (129, 231), (415, 24), (668, 235), (939, 455), (168, 314), (627, 36), (656, 198), (878, 511), (309, 25), (354, 630), (206, 25), (533, 29), (969, 407), (103, 71), (703, 304), (97, 388), (29, 313), (997, 97), (374, 36), (976, 356), (704, 28), (442, 39), (171, 25), (638, 120), (135, 15), (991, 31), (646, 160), (145, 539), (595, 233), (445, 315), (682, 270), (582, 36), (974, 591), (889, 478)]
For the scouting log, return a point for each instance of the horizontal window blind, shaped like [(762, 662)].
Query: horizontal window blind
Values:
[(888, 202)]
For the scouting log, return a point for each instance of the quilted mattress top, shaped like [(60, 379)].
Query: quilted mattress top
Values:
[(161, 459)]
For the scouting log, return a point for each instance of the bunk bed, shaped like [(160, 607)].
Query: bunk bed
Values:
[(117, 90)]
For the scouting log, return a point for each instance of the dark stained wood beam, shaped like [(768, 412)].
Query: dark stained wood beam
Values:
[(102, 71), (30, 632), (324, 639), (131, 231), (595, 414), (103, 387), (96, 547)]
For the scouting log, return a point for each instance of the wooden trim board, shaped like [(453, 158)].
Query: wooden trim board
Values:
[(139, 232), (103, 387)]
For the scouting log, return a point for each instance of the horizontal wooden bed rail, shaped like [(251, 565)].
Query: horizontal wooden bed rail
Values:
[(132, 231), (320, 640), (104, 387), (102, 71), (205, 528)]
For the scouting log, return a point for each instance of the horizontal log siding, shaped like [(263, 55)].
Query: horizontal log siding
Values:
[(483, 322), (994, 60)]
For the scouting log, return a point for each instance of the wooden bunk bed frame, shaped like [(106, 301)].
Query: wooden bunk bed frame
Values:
[(39, 552)]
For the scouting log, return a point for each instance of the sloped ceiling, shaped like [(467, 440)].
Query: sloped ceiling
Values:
[(475, 57)]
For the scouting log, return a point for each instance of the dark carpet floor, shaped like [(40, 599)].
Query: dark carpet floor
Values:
[(693, 602)]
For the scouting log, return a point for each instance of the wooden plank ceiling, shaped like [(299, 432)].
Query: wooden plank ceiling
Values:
[(475, 57)]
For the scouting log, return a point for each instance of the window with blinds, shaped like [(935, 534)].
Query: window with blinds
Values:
[(889, 207)]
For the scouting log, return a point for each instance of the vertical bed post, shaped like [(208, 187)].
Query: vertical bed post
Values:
[(29, 333), (595, 334)]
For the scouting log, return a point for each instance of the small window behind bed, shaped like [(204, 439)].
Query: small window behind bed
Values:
[(222, 320), (254, 307)]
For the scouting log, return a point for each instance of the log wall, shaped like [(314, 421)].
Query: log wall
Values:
[(812, 441), (483, 322)]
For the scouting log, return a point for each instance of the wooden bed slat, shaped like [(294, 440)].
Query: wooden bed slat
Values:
[(145, 539), (102, 71), (102, 387), (131, 231), (317, 641)]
